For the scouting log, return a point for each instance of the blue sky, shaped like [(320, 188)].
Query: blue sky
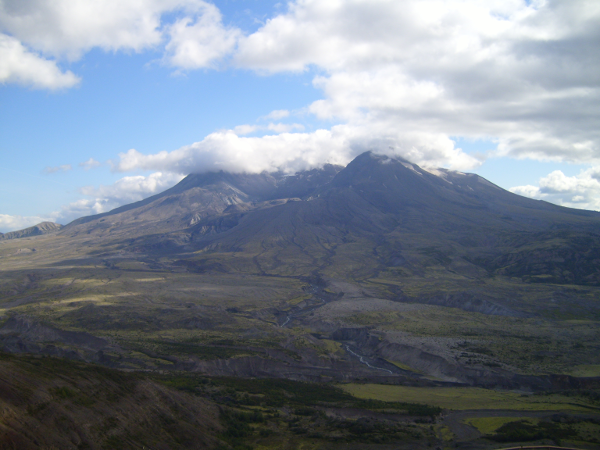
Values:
[(104, 105)]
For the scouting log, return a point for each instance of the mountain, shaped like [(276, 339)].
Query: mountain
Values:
[(36, 230), (375, 214), (380, 271), (393, 188)]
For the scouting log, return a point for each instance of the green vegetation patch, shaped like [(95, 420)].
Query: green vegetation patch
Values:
[(488, 425), (525, 431), (206, 352), (279, 392), (403, 366), (462, 398), (588, 431), (586, 370), (264, 413)]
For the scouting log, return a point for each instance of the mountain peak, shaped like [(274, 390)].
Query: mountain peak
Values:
[(380, 170)]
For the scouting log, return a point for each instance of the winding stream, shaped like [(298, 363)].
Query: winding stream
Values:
[(312, 308), (304, 312), (362, 360)]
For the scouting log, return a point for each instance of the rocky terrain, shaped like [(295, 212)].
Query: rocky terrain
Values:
[(380, 272)]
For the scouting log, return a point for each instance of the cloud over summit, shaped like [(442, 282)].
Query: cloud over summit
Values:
[(523, 74)]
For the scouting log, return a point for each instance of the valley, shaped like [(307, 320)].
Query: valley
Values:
[(381, 281)]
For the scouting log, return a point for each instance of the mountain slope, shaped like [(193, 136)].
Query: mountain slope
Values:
[(199, 196)]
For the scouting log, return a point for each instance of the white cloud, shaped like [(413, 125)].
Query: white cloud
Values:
[(124, 191), (19, 65), (201, 41), (284, 127), (241, 130), (67, 29), (63, 168), (277, 114), (400, 77), (291, 152), (527, 191), (359, 34), (521, 73), (84, 207), (12, 223), (579, 191), (134, 188), (90, 164), (225, 150)]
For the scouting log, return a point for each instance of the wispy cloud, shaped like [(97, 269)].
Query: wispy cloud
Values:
[(63, 168), (285, 127), (277, 114), (90, 164)]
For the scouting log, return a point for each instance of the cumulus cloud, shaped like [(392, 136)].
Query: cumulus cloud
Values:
[(90, 164), (402, 77), (522, 73), (21, 66), (63, 168), (126, 190), (200, 41), (579, 191), (225, 150), (67, 29), (13, 223)]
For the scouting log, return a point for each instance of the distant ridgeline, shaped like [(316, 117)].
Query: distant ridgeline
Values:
[(36, 230)]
